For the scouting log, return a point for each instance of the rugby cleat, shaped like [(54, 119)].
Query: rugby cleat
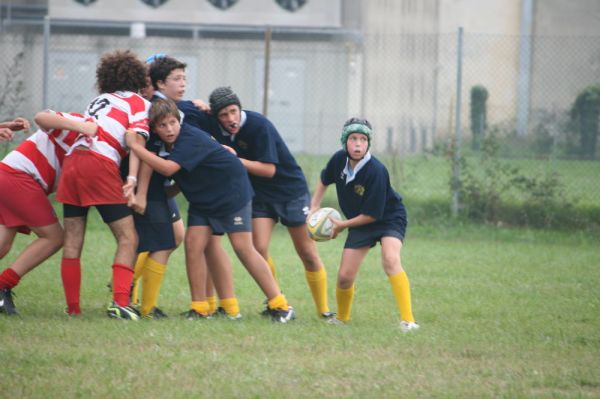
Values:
[(280, 315), (7, 305), (407, 326), (328, 315), (115, 311), (222, 313), (193, 315), (156, 314)]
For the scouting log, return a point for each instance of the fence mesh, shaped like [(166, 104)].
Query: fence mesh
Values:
[(410, 96)]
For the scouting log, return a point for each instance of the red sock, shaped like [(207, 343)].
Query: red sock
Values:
[(122, 276), (9, 278), (70, 271)]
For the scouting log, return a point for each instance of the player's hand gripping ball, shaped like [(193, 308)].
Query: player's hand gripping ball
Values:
[(319, 225)]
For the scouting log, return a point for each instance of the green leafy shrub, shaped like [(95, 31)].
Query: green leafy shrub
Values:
[(495, 191), (585, 114), (479, 96)]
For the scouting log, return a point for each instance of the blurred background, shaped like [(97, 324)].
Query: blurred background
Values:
[(488, 110)]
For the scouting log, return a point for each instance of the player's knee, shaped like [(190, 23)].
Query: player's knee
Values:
[(391, 264), (5, 249), (58, 239), (127, 240), (345, 280)]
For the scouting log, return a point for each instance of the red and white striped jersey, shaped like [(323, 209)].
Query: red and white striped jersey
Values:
[(41, 155), (115, 113)]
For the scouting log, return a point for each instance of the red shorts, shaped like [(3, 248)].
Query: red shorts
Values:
[(90, 179), (24, 203)]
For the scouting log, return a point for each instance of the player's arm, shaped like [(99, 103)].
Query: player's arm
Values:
[(50, 120), (172, 190), (163, 166), (16, 124), (341, 225), (139, 200), (6, 134), (201, 105), (317, 197), (132, 178), (257, 168)]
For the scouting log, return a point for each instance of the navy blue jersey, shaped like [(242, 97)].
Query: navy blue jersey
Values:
[(197, 118), (370, 193), (211, 178), (257, 140)]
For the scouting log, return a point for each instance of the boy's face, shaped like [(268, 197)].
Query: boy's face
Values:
[(357, 146), (173, 87), (148, 91), (230, 118), (168, 129)]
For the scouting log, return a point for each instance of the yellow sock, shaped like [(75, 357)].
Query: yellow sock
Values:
[(279, 302), (317, 281), (152, 277), (212, 303), (401, 289), (137, 273), (200, 307), (344, 298), (272, 267), (231, 306)]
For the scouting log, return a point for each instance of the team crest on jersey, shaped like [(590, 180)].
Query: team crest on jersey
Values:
[(243, 145), (85, 2), (154, 3), (291, 5), (222, 4), (359, 189)]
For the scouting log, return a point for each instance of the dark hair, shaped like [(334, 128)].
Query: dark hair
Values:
[(358, 121), (120, 70), (162, 67), (160, 109)]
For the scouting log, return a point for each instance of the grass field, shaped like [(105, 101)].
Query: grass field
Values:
[(503, 313)]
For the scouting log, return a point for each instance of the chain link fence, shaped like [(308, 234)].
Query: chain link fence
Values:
[(529, 87)]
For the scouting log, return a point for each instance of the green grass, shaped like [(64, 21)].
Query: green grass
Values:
[(503, 313)]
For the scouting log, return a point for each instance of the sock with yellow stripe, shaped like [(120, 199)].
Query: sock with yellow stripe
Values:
[(212, 304), (272, 267), (152, 276), (317, 281), (344, 297), (200, 307), (137, 273), (401, 288), (278, 302), (231, 306)]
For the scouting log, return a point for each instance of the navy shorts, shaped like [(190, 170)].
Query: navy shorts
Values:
[(291, 213), (155, 227), (238, 221), (369, 237)]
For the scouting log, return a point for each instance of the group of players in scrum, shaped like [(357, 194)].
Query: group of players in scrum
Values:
[(137, 145)]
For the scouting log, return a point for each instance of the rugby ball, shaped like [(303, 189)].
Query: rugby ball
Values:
[(319, 225)]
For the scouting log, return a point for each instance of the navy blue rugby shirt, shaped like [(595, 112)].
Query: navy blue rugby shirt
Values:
[(370, 193), (210, 178), (257, 140)]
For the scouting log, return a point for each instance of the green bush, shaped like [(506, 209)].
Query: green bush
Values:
[(479, 96), (494, 191), (584, 116)]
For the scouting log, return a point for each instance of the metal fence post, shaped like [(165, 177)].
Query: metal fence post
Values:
[(457, 128), (267, 71), (524, 68), (46, 59)]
